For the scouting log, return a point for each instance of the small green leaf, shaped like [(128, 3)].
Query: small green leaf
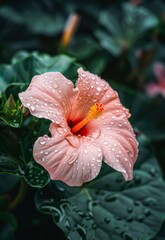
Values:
[(10, 110)]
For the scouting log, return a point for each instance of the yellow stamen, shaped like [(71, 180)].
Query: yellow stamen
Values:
[(94, 112)]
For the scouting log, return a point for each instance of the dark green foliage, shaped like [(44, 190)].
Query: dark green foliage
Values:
[(120, 41)]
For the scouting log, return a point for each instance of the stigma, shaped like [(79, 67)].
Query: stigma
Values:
[(94, 112)]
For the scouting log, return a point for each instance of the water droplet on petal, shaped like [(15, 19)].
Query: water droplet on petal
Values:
[(32, 108), (99, 160), (42, 159), (98, 89), (83, 74), (55, 85), (42, 141)]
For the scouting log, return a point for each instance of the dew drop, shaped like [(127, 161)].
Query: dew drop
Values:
[(42, 141), (99, 89), (83, 75), (32, 108), (137, 203), (129, 219), (150, 201), (140, 218), (99, 160), (137, 179), (146, 212), (94, 226), (81, 214), (129, 210), (111, 198), (107, 220), (152, 172), (42, 159)]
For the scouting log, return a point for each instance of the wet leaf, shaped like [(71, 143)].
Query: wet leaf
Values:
[(35, 176), (27, 65)]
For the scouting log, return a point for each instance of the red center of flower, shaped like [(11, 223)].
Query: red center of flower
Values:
[(94, 112)]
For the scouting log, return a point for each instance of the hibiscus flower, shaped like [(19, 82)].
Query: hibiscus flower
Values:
[(88, 125), (153, 89)]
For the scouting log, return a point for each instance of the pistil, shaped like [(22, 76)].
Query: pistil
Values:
[(94, 112)]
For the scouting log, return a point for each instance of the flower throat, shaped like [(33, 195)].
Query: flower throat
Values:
[(94, 112)]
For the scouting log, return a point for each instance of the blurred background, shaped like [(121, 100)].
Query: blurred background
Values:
[(124, 43)]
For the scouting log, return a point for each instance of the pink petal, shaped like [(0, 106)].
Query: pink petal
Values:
[(159, 71), (118, 143), (50, 95), (154, 89), (93, 89), (72, 160)]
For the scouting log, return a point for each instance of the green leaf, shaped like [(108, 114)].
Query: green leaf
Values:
[(8, 164), (27, 65), (89, 54), (40, 22), (108, 43), (6, 76), (120, 25), (108, 207), (35, 175), (161, 234), (7, 182), (139, 17), (17, 157)]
